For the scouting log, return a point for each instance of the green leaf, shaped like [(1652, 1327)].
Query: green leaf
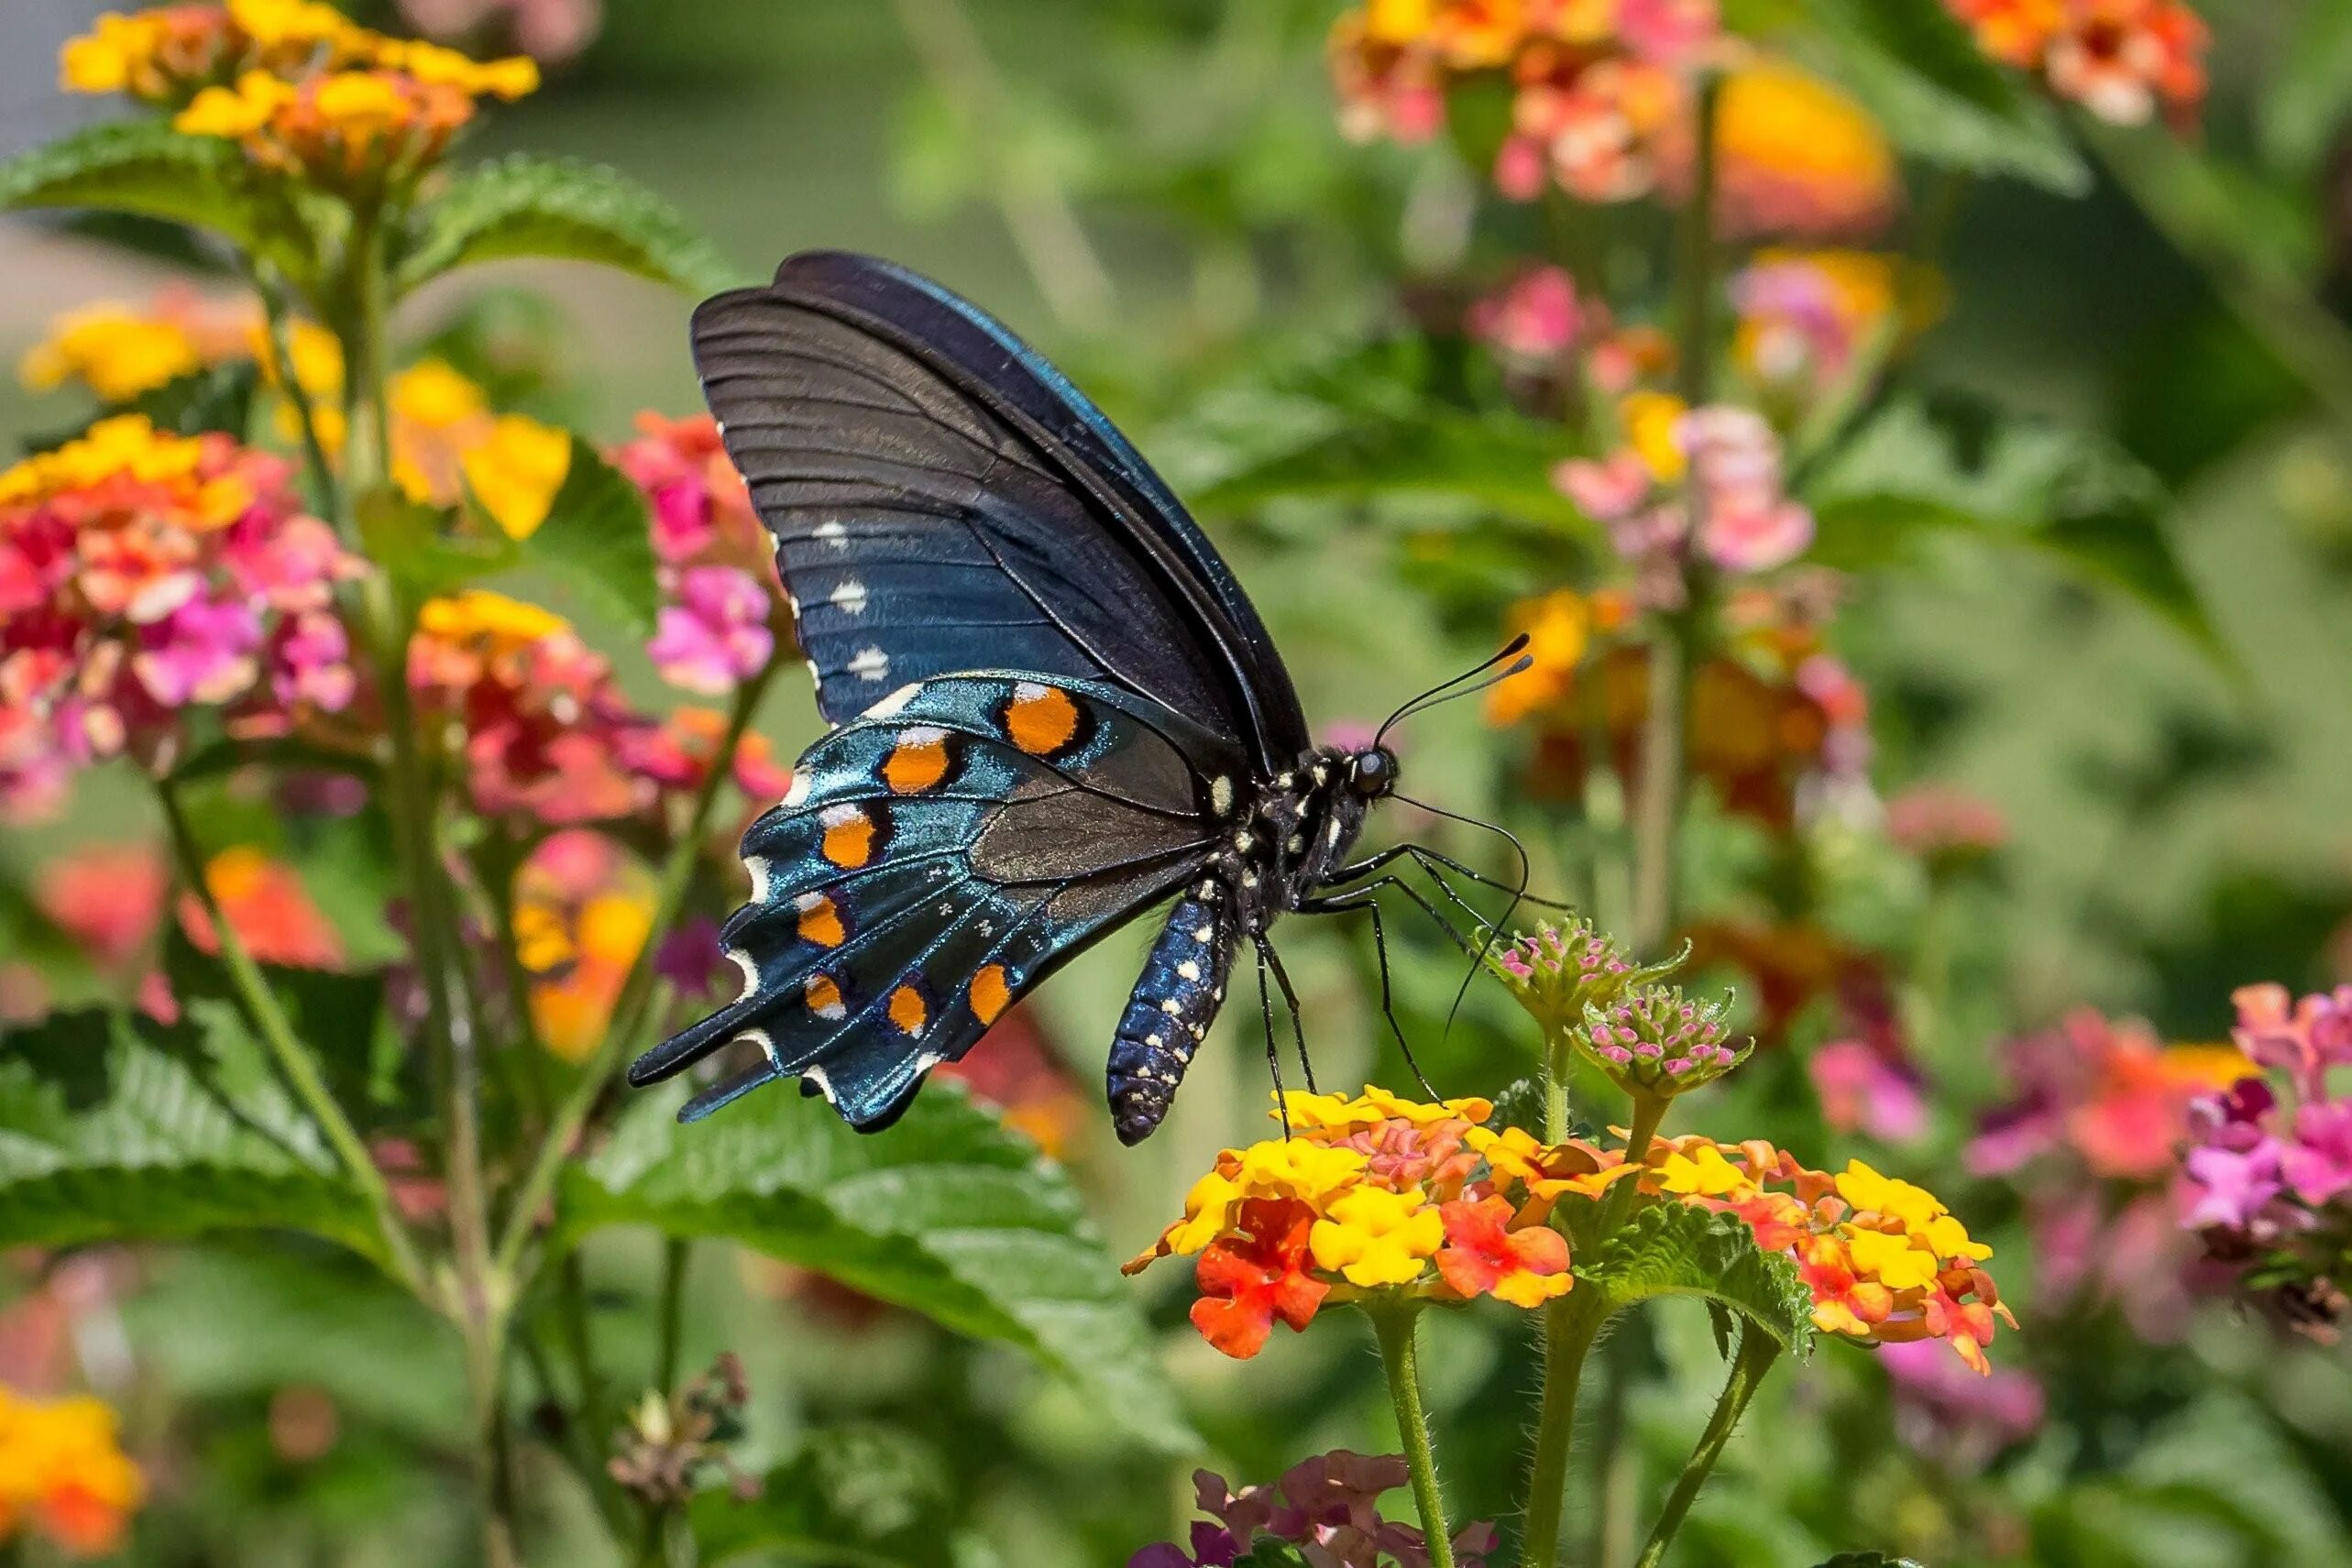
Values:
[(597, 538), (861, 1497), (1917, 69), (948, 1213), (116, 1131), (146, 168), (2063, 495), (218, 398), (1673, 1249), (527, 206), (409, 540)]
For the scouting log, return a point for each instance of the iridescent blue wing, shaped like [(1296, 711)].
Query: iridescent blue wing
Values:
[(935, 860), (943, 500)]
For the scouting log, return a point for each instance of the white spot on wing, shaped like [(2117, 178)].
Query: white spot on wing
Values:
[(849, 597), (761, 879), (816, 1075), (870, 665), (832, 534), (766, 1043), (797, 790), (742, 960), (1220, 795)]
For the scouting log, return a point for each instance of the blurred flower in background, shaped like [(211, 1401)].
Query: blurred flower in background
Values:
[(2125, 60), (63, 1475), (1328, 1505), (583, 910), (550, 31)]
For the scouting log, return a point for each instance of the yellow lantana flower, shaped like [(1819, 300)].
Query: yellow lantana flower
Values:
[(479, 613), (1892, 1259), (1372, 1237), (119, 352), (1703, 1173), (516, 470)]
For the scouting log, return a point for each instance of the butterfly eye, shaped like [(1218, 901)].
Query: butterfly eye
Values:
[(1371, 771)]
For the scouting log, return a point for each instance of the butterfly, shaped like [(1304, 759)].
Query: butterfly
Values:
[(1053, 708)]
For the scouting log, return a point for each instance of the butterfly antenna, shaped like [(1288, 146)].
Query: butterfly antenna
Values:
[(1494, 928), (1412, 704)]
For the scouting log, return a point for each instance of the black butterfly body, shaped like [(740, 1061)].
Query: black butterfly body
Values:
[(1054, 707)]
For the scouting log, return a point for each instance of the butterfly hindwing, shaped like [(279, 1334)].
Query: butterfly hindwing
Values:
[(944, 500), (924, 871)]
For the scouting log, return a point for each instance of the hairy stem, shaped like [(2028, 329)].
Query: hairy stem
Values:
[(1757, 1351), (630, 1008), (1570, 1325), (1397, 1327), (293, 1058)]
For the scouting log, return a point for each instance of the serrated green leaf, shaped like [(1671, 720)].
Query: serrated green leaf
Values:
[(948, 1213), (410, 540), (1674, 1249), (1918, 71), (597, 538), (146, 168), (112, 1130), (863, 1497), (529, 205)]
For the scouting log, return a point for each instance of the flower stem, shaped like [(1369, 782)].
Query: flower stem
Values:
[(1757, 1351), (1570, 1325), (630, 1009), (294, 1058), (1397, 1327), (1657, 804)]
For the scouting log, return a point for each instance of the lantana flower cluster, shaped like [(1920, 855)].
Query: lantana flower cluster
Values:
[(2091, 1137), (1595, 88), (1376, 1193), (1778, 720), (727, 614), (63, 1473), (2125, 60), (1885, 1260), (1717, 467), (2267, 1180), (1808, 322), (1327, 1506), (302, 88), (144, 575)]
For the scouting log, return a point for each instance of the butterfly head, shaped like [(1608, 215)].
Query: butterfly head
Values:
[(1371, 772)]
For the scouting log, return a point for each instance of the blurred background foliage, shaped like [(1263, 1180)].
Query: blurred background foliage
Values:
[(1154, 192)]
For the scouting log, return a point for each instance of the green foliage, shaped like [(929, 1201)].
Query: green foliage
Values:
[(144, 167), (596, 540), (217, 397), (1917, 69), (2066, 496), (1369, 428), (948, 1214), (525, 205), (1673, 1249), (860, 1496), (117, 1130)]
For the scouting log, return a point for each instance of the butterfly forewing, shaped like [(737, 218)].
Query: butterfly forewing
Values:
[(944, 500)]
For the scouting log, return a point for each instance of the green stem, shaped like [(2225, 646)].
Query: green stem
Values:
[(1396, 1328), (276, 335), (630, 1009), (670, 1326), (1570, 1325), (1754, 1359), (293, 1059), (1657, 806)]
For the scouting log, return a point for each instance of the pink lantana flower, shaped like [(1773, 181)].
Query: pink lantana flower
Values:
[(716, 635)]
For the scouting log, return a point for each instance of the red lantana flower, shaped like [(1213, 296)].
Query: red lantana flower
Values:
[(1258, 1275), (1483, 1256)]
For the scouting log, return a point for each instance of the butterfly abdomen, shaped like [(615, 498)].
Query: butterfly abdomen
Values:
[(1169, 1014)]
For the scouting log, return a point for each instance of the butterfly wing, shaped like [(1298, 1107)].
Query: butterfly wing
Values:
[(943, 500), (934, 860)]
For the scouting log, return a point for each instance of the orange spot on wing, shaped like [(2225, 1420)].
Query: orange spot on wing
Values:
[(820, 921), (849, 837), (918, 762), (907, 1010), (824, 997), (1041, 718), (990, 992)]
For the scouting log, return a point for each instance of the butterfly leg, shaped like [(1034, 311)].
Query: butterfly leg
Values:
[(1273, 1051), (1290, 1000), (1426, 856), (1350, 904), (1348, 875)]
